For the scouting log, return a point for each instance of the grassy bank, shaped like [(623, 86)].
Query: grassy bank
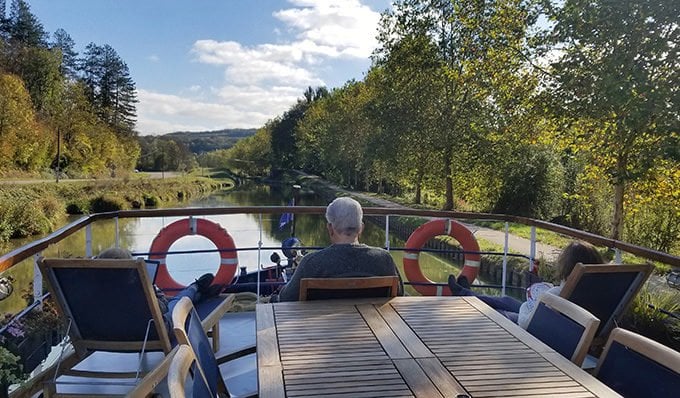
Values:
[(32, 209)]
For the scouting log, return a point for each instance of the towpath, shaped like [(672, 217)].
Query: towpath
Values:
[(516, 244)]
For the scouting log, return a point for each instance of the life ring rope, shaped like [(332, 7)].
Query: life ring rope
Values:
[(427, 231)]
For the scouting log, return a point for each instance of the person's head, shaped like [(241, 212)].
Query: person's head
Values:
[(576, 252), (115, 253), (344, 220)]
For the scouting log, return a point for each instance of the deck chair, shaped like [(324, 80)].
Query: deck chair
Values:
[(184, 378), (113, 313), (338, 288), (234, 375), (605, 291), (635, 366), (564, 326), (156, 382)]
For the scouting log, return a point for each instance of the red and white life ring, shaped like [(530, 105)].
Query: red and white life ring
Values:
[(428, 231), (193, 226)]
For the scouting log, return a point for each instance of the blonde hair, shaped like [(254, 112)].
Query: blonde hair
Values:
[(576, 252)]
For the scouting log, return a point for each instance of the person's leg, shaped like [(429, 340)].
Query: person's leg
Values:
[(501, 303)]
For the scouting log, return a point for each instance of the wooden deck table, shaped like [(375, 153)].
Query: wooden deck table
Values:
[(407, 347)]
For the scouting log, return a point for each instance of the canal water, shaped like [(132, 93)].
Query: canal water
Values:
[(247, 230)]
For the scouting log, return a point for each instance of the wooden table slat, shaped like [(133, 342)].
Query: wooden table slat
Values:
[(408, 346)]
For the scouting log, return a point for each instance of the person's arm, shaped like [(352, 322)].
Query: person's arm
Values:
[(291, 292)]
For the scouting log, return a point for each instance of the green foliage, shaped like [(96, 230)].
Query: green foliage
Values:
[(10, 368), (199, 142), (27, 210), (618, 66), (532, 184), (650, 321)]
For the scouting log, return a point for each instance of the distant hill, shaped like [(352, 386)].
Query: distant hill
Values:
[(206, 141)]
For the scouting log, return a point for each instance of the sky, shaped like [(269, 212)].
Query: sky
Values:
[(212, 64)]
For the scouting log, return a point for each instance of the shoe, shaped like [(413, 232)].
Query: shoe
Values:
[(463, 281), (204, 282), (213, 291), (456, 289)]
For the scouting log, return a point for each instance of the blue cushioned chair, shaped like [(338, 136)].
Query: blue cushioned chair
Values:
[(635, 366), (564, 326), (234, 375), (184, 378), (113, 312), (605, 290)]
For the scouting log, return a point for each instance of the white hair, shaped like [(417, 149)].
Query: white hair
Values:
[(345, 215)]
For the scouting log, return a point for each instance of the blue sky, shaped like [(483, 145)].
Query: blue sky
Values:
[(213, 64)]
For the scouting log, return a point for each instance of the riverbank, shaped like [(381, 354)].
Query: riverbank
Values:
[(28, 209)]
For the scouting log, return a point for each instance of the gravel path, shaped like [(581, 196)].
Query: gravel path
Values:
[(516, 244)]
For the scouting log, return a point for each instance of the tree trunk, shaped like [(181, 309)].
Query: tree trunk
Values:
[(419, 184), (617, 222), (448, 205)]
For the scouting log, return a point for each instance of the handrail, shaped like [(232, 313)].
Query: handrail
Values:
[(15, 256)]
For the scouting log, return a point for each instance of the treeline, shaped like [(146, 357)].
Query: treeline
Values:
[(563, 110), (54, 100)]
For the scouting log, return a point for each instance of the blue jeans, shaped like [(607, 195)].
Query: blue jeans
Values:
[(506, 305)]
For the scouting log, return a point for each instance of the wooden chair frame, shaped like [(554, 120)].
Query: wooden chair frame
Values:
[(158, 375), (649, 348), (643, 272), (82, 346), (180, 314), (369, 282), (578, 315), (179, 371)]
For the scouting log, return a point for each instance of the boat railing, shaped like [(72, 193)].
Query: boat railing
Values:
[(35, 248)]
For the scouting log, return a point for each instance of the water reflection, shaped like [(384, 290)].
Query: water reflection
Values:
[(248, 231)]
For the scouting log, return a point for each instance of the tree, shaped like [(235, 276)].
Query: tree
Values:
[(110, 88), (618, 77), (283, 141), (472, 48), (23, 27), (69, 57), (22, 139)]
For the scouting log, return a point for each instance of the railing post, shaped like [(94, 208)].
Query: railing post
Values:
[(505, 258), (117, 233), (387, 232), (88, 240), (259, 257), (37, 280), (617, 256), (532, 250)]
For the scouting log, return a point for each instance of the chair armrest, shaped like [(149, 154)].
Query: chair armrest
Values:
[(213, 318)]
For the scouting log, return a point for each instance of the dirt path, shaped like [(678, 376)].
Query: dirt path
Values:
[(516, 244)]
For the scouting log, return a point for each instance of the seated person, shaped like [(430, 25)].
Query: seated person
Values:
[(196, 291), (575, 252), (345, 257)]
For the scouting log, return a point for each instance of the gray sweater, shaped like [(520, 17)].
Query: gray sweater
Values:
[(340, 261)]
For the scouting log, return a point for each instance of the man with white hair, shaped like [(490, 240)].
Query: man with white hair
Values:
[(345, 257)]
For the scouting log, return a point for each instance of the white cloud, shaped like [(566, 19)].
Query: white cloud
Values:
[(262, 81), (153, 58), (163, 113)]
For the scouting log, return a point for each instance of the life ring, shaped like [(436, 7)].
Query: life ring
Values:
[(424, 233), (193, 226)]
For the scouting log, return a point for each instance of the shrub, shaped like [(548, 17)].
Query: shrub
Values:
[(108, 202), (10, 368), (531, 185), (650, 321), (151, 200), (80, 206)]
